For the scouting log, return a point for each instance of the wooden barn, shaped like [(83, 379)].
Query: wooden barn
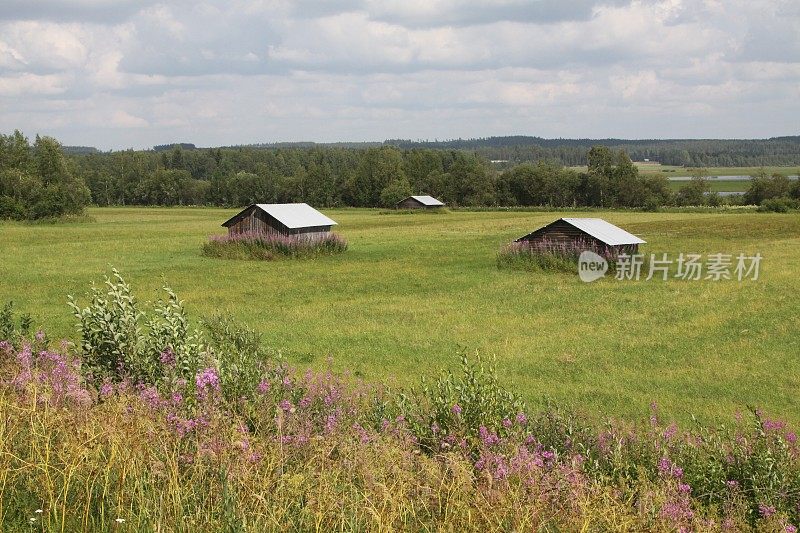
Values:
[(283, 219), (595, 231), (419, 202)]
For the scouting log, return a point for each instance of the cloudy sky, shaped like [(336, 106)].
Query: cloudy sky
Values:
[(134, 73)]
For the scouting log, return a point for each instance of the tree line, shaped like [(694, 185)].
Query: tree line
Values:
[(775, 151), (39, 180)]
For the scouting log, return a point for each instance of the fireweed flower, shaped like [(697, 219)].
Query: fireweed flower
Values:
[(522, 419), (207, 380), (167, 358), (106, 390), (766, 510), (263, 386), (506, 423), (456, 409)]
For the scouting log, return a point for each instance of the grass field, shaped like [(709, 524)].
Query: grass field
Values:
[(670, 171), (717, 185), (414, 290)]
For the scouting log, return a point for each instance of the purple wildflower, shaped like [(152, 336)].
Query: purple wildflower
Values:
[(766, 510), (207, 380), (167, 358), (106, 389), (522, 419), (456, 409)]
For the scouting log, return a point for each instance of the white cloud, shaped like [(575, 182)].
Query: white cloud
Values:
[(122, 73)]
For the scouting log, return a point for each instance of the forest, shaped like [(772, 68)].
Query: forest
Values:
[(42, 179)]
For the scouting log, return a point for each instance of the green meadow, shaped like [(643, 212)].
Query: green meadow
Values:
[(415, 290), (717, 185)]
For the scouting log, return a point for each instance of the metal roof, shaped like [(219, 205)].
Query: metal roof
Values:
[(292, 216), (427, 200), (604, 231)]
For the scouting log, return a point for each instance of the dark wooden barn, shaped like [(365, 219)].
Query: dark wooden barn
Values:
[(419, 202), (283, 219), (594, 231)]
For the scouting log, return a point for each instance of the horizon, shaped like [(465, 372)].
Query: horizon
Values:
[(290, 143)]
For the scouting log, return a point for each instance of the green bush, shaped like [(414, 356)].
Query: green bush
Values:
[(115, 346), (779, 205)]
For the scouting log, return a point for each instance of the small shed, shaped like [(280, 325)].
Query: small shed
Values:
[(283, 219), (595, 231), (419, 202)]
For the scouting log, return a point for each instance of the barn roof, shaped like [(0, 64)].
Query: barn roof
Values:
[(427, 200), (601, 230), (292, 216)]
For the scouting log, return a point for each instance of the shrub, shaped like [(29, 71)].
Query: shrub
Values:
[(115, 346), (258, 245), (242, 360), (13, 328), (779, 205), (470, 406)]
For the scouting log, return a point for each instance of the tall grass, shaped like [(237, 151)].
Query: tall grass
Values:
[(264, 246), (550, 255)]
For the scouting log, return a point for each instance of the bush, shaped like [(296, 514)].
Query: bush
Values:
[(13, 328), (114, 345), (468, 406), (779, 205), (257, 245)]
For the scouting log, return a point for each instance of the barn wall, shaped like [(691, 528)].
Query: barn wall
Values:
[(410, 203), (562, 232), (258, 222), (311, 231)]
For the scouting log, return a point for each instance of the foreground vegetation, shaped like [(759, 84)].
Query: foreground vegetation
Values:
[(149, 425), (413, 290)]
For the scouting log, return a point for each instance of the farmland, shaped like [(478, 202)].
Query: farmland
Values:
[(413, 291)]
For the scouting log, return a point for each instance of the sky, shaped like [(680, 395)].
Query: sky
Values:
[(118, 74)]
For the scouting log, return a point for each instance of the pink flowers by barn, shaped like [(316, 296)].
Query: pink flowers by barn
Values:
[(260, 245)]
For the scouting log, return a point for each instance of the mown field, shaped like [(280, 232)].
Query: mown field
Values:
[(415, 290), (717, 185), (671, 171)]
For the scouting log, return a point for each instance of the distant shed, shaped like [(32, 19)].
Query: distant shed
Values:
[(283, 219), (419, 202), (595, 231)]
